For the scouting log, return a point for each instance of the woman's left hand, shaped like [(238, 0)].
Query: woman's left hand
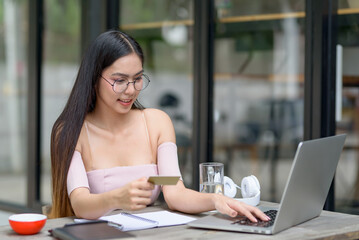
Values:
[(233, 207)]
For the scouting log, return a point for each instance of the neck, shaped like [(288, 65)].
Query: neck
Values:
[(110, 120)]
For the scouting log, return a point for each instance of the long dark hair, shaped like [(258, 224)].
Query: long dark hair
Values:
[(105, 50)]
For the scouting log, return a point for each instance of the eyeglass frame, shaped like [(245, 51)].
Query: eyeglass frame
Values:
[(128, 82)]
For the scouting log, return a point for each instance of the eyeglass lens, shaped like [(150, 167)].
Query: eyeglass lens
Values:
[(139, 84)]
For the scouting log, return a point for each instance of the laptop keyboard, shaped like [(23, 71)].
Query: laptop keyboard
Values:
[(245, 221)]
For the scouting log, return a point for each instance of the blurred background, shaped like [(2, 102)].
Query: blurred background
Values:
[(253, 87)]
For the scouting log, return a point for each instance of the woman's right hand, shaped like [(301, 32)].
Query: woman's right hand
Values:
[(135, 195)]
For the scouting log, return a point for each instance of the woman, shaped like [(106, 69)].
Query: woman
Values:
[(105, 145)]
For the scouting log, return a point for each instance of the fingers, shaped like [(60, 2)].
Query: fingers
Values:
[(139, 202), (136, 199), (142, 183), (244, 210), (136, 192), (136, 203), (141, 192), (252, 213), (135, 195), (229, 211), (259, 214), (221, 204), (233, 207)]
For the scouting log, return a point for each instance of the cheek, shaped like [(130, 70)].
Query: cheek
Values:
[(104, 91), (137, 94)]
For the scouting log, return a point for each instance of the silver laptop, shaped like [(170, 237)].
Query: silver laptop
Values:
[(312, 172)]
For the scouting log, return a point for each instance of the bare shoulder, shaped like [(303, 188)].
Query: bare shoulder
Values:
[(153, 114), (160, 124)]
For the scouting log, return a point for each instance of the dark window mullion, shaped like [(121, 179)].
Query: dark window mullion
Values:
[(93, 21), (36, 18), (319, 86), (203, 50), (112, 14)]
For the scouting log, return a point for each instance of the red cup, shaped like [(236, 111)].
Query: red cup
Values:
[(27, 223)]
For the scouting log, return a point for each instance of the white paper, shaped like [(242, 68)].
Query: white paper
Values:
[(166, 218), (130, 222)]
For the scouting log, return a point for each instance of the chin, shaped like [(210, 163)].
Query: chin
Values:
[(123, 110)]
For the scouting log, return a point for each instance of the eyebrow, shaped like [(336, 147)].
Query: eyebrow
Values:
[(126, 75)]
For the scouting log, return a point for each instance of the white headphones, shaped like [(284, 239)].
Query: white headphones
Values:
[(250, 189)]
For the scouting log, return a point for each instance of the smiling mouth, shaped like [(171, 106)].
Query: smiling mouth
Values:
[(124, 101)]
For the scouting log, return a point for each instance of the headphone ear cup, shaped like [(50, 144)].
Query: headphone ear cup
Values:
[(256, 181), (230, 189), (250, 186)]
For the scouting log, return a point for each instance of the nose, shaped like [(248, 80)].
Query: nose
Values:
[(130, 87)]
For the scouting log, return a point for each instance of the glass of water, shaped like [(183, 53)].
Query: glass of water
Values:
[(211, 177)]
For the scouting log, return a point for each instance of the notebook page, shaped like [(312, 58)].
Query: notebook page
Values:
[(130, 222), (166, 218)]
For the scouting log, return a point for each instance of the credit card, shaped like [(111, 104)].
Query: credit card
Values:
[(163, 180)]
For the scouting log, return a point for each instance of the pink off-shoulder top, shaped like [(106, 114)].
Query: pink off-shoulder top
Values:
[(104, 180)]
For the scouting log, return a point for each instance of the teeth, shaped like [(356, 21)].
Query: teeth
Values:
[(125, 101)]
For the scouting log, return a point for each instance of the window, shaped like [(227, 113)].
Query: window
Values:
[(347, 175), (60, 65), (258, 92), (164, 30), (13, 100)]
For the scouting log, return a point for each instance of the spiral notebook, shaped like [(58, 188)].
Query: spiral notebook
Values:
[(131, 222)]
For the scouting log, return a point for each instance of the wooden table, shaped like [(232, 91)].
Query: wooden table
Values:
[(329, 225)]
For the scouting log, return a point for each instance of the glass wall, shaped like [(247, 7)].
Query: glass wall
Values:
[(258, 92), (347, 175), (258, 85), (61, 61), (13, 100), (164, 30)]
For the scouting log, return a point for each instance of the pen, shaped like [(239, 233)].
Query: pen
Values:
[(86, 222), (116, 225)]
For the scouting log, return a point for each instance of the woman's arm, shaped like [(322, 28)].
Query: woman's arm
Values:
[(186, 200), (133, 196), (180, 198)]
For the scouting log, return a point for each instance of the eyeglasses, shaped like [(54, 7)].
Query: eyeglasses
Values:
[(139, 83)]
